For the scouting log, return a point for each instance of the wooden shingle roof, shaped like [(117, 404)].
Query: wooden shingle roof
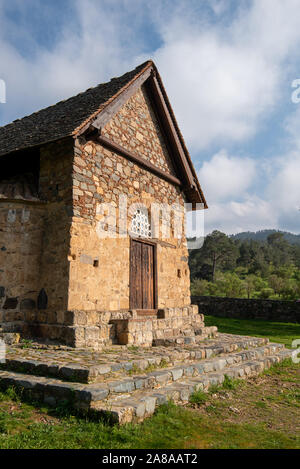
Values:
[(91, 109), (61, 119)]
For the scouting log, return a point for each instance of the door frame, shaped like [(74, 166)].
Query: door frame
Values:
[(154, 244)]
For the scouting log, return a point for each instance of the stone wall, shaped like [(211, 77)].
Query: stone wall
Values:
[(136, 128), (55, 187), (270, 310), (77, 282), (34, 244), (21, 229), (99, 268)]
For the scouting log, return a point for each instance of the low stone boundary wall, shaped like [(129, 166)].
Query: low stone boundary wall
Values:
[(242, 308)]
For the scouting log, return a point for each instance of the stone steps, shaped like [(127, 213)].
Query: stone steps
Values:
[(142, 404), (115, 396), (198, 336), (123, 369), (159, 378)]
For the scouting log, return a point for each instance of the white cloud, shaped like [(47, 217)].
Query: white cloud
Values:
[(225, 176), (219, 91), (284, 191), (228, 183), (98, 47), (218, 6), (251, 214), (223, 80)]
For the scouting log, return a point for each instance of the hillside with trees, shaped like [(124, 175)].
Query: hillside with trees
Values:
[(262, 235), (246, 268)]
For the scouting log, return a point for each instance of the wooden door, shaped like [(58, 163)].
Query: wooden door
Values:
[(142, 276)]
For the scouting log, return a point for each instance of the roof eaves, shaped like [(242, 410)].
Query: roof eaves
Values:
[(84, 125), (186, 152)]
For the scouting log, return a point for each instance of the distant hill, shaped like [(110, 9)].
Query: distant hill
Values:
[(263, 234)]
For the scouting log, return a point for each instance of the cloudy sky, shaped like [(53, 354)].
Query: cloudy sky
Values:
[(228, 67)]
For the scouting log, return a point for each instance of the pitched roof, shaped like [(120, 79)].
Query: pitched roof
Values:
[(75, 115), (63, 118)]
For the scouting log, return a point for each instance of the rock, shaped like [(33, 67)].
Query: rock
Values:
[(10, 338), (122, 386), (234, 410), (177, 373)]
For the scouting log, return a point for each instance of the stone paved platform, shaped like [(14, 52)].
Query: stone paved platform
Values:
[(85, 365), (127, 383)]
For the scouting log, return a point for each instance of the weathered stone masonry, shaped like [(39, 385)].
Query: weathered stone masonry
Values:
[(102, 176), (59, 278), (35, 237)]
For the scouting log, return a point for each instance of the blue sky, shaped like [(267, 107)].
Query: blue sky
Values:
[(227, 66)]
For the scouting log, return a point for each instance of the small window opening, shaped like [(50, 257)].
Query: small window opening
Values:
[(140, 224)]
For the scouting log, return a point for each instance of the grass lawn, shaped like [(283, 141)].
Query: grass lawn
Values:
[(260, 413), (263, 412), (282, 332)]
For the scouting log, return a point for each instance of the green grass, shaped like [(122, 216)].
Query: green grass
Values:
[(171, 427), (198, 397), (281, 332), (261, 413), (266, 418), (231, 383)]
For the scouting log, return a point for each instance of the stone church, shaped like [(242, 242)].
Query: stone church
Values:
[(73, 268)]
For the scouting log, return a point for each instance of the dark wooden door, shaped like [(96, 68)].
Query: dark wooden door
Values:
[(142, 293)]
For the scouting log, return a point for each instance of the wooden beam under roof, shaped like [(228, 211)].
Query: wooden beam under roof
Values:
[(115, 147)]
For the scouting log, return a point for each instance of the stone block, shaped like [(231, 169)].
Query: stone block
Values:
[(177, 373), (27, 304), (10, 338), (122, 386), (50, 400), (150, 403), (91, 335), (30, 316), (74, 336)]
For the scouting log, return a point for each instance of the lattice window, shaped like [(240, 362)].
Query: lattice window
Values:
[(140, 224)]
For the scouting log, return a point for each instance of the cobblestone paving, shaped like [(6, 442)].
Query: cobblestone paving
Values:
[(89, 366)]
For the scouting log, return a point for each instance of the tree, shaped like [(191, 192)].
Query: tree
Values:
[(199, 287), (219, 249), (230, 285), (268, 268), (277, 283), (279, 249), (249, 285)]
